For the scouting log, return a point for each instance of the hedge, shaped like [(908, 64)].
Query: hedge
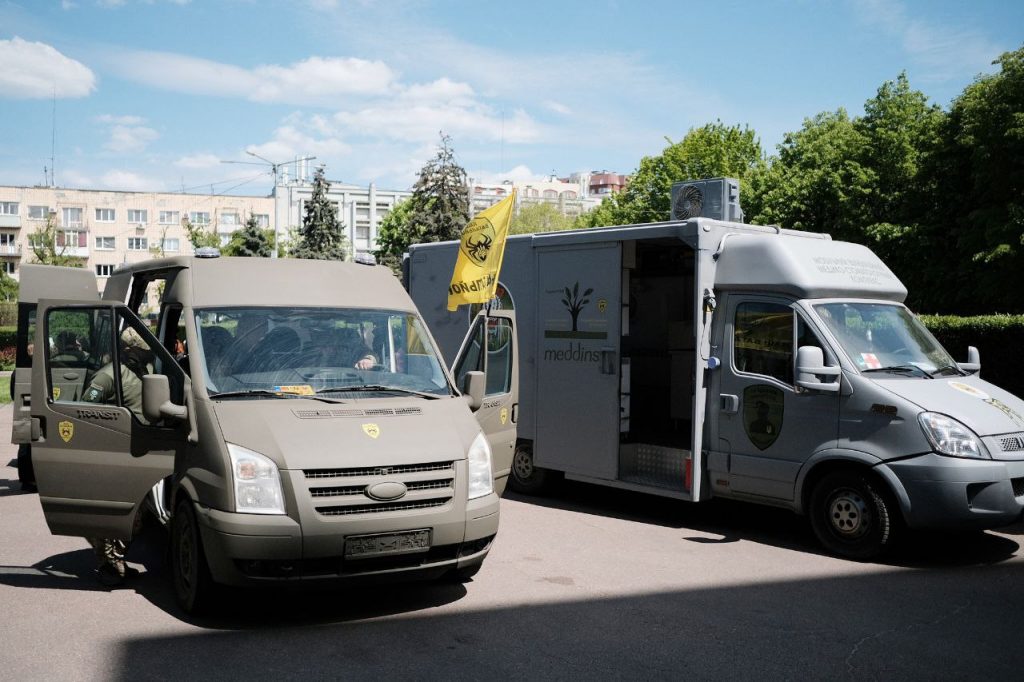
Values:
[(8, 313), (999, 339)]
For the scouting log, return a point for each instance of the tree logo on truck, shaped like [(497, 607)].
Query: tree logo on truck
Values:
[(574, 302)]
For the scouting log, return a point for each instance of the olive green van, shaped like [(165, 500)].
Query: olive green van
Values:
[(296, 413)]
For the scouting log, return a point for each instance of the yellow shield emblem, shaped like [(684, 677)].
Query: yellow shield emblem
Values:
[(503, 415), (56, 392), (66, 431), (602, 305), (371, 430)]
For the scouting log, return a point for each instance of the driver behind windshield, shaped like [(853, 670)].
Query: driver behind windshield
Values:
[(342, 347)]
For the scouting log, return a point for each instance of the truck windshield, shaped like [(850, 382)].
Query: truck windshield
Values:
[(886, 338), (268, 352)]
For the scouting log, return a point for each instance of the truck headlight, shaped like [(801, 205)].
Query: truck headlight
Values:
[(257, 482), (481, 480), (950, 437)]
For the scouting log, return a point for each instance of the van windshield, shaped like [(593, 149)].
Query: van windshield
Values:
[(886, 338), (281, 352)]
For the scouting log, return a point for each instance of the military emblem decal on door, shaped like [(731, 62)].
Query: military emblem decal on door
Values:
[(762, 414)]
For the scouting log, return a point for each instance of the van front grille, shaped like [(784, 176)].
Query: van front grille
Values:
[(383, 507), (343, 491), (1014, 443), (380, 470)]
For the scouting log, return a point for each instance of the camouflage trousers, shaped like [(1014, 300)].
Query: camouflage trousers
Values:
[(109, 553)]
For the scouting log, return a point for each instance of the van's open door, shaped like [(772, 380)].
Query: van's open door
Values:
[(95, 454), (490, 347)]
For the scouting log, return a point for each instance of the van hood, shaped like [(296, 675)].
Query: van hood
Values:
[(309, 434), (987, 409)]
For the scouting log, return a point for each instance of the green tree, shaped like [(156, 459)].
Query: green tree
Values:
[(48, 248), (539, 217), (251, 241), (322, 236), (437, 211), (199, 237), (713, 150), (8, 287)]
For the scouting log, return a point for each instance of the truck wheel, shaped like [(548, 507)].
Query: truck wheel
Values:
[(851, 516), (191, 575), (527, 478), (26, 474)]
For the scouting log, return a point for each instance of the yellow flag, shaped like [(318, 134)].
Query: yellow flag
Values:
[(481, 249)]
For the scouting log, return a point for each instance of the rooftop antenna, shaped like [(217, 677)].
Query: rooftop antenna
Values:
[(53, 140)]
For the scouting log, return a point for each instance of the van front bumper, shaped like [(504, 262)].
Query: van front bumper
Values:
[(958, 493), (257, 549)]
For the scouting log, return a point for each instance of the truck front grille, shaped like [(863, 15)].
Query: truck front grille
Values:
[(377, 508), (427, 486)]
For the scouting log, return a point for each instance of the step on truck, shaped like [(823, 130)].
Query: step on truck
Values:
[(294, 417), (700, 358)]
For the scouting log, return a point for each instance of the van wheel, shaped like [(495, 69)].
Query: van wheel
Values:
[(192, 582), (527, 478), (851, 516), (26, 475)]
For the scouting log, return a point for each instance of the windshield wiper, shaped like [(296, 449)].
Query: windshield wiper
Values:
[(377, 388), (956, 370), (264, 393), (900, 369)]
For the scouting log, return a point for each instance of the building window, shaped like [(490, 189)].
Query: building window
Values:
[(229, 219), (262, 219), (72, 217), (550, 194), (170, 244), (363, 233), (38, 212), (71, 238), (8, 208), (105, 270), (104, 215), (199, 218), (10, 266), (7, 239), (170, 217), (137, 215), (569, 194), (105, 243), (137, 244)]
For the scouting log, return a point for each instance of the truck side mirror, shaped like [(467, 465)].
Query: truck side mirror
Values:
[(810, 364), (973, 363), (473, 387), (156, 399)]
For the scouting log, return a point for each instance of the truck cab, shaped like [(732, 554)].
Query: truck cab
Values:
[(297, 412)]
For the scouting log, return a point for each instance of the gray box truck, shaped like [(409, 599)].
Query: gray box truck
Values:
[(700, 358), (293, 418)]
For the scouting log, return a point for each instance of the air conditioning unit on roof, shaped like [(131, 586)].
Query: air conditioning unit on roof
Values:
[(717, 198)]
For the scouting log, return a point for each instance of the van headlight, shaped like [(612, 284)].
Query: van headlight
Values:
[(481, 480), (257, 482), (950, 437)]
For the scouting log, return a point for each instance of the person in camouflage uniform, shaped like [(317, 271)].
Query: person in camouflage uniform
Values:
[(136, 361)]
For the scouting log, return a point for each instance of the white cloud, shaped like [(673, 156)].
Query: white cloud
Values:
[(128, 135), (310, 81), (519, 173), (68, 5), (128, 181), (120, 120), (398, 120), (32, 70), (557, 107), (198, 161), (289, 142), (943, 52)]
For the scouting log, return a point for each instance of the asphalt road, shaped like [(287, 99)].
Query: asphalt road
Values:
[(590, 583)]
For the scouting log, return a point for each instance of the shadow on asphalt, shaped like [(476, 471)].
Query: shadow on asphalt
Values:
[(10, 486), (889, 624), (733, 521)]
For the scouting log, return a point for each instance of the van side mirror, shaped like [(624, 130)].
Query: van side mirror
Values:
[(810, 365), (473, 387), (156, 399), (973, 363)]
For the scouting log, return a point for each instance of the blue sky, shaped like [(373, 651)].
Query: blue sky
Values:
[(155, 94)]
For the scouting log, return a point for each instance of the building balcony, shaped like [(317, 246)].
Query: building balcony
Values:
[(10, 221), (10, 250), (73, 251)]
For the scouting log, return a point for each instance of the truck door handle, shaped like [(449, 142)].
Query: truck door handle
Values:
[(730, 404), (607, 361)]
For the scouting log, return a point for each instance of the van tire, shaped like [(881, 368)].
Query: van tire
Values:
[(26, 474), (851, 515), (526, 477), (190, 573)]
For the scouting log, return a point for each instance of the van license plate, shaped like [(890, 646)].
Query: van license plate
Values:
[(386, 544)]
